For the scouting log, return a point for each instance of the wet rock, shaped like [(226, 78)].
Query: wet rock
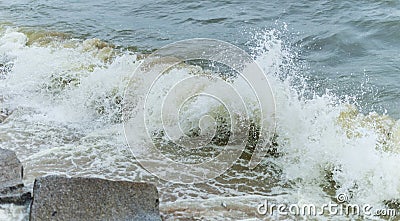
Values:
[(4, 114), (61, 198), (11, 186), (20, 196), (11, 172)]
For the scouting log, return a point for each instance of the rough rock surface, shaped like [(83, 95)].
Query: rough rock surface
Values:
[(11, 171), (62, 198), (19, 196)]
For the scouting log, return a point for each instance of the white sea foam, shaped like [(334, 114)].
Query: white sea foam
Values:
[(66, 120)]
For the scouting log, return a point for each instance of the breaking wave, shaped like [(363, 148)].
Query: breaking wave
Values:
[(61, 111)]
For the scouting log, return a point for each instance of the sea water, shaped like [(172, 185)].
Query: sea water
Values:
[(333, 68)]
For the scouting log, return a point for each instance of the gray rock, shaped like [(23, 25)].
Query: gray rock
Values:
[(11, 172), (20, 196), (61, 198), (11, 186), (4, 114)]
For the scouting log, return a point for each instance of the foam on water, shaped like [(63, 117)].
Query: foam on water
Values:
[(64, 102), (328, 147)]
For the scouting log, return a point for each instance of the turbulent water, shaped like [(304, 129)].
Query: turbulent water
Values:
[(333, 68)]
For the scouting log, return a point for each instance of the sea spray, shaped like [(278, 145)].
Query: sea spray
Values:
[(66, 119), (327, 146)]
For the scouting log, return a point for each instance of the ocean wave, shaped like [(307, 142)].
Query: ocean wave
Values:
[(65, 97)]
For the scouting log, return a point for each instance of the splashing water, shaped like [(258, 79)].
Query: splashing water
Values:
[(61, 103)]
